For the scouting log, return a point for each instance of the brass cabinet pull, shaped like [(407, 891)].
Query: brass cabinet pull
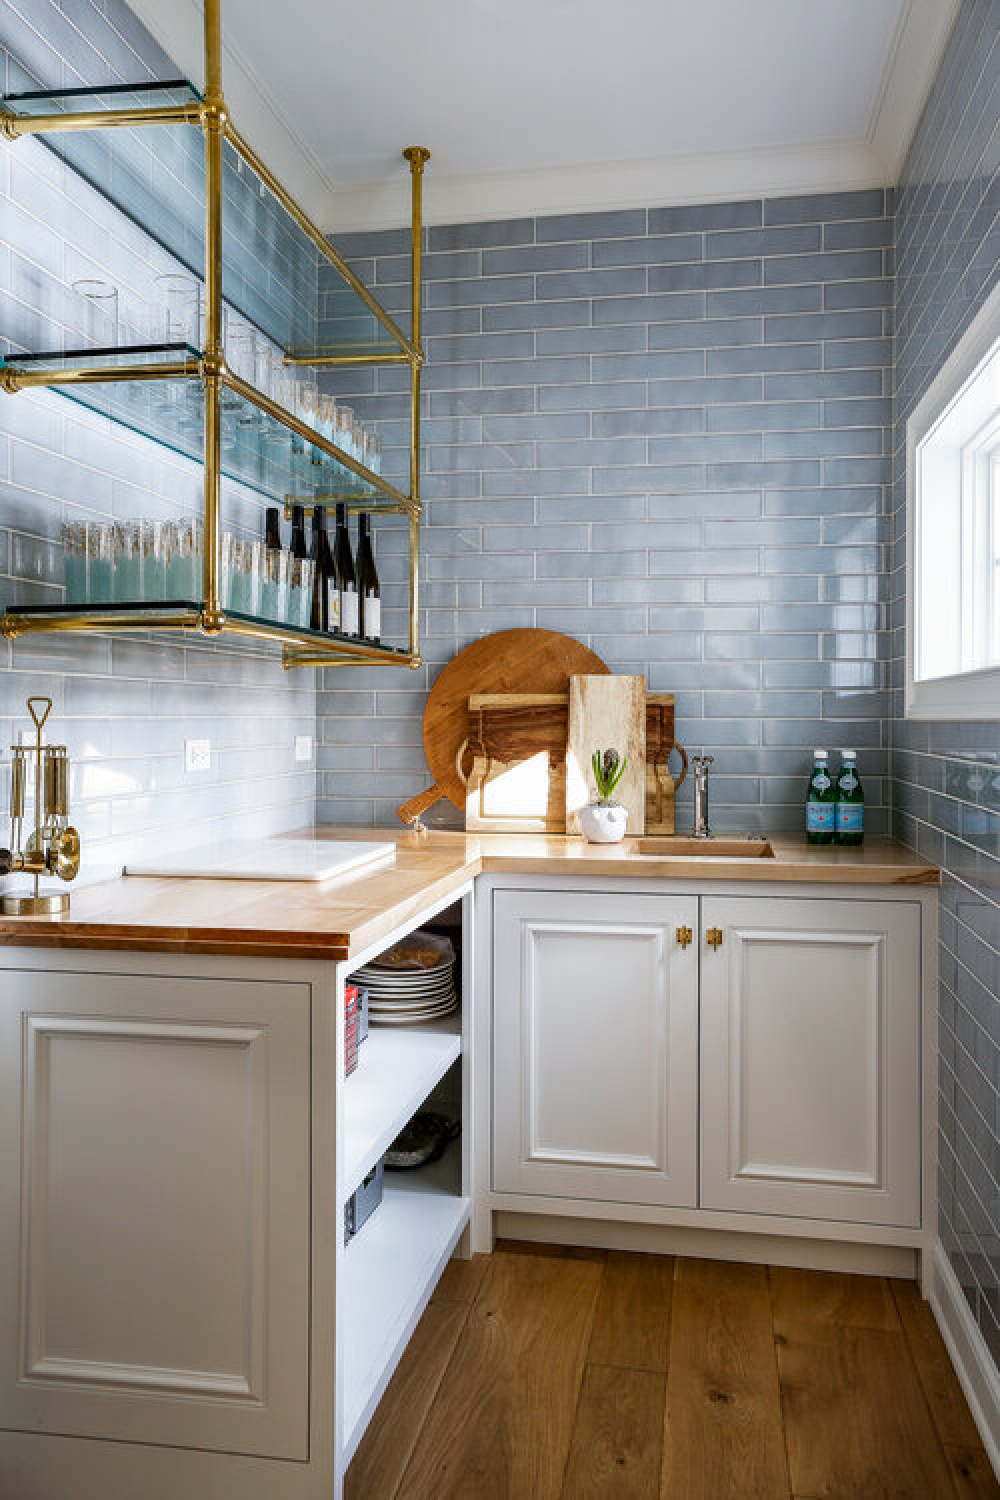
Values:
[(684, 936), (713, 937)]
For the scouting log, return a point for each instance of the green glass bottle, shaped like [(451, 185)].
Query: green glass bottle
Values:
[(821, 803), (850, 801)]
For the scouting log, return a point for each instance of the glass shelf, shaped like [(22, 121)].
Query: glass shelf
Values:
[(186, 615), (259, 447), (271, 264)]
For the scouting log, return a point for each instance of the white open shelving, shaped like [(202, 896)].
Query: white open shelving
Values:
[(397, 1069), (389, 1272)]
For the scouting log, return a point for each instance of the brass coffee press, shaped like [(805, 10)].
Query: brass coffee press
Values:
[(53, 848)]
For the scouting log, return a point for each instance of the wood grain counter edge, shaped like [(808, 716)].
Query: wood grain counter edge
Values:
[(267, 921)]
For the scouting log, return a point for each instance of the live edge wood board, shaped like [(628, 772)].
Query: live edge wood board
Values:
[(339, 921)]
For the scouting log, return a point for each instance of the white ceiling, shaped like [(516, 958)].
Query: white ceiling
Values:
[(535, 106)]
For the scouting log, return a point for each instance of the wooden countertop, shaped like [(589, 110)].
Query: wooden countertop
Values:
[(333, 921)]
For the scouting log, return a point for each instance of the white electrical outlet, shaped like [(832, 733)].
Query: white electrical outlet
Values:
[(303, 747), (197, 755)]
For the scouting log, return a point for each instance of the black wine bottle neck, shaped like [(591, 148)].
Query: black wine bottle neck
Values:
[(272, 528), (298, 543)]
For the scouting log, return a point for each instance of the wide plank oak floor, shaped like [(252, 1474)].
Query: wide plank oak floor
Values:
[(544, 1374)]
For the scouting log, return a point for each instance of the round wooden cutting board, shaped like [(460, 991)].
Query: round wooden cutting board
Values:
[(511, 661)]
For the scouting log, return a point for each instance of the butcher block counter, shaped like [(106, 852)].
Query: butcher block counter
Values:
[(338, 921)]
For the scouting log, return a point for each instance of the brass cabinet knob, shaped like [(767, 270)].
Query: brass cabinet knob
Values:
[(684, 936), (713, 937)]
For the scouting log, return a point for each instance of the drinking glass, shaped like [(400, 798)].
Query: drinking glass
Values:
[(327, 416), (74, 540), (99, 551), (373, 452), (184, 560), (154, 535), (126, 562), (180, 308), (98, 312), (275, 584), (345, 429), (300, 591), (229, 586)]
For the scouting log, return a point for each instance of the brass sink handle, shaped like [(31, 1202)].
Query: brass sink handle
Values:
[(684, 936), (713, 937)]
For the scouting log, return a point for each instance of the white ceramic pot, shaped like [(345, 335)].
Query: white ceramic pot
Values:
[(603, 822)]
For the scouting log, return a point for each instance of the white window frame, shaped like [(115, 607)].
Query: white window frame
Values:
[(973, 693)]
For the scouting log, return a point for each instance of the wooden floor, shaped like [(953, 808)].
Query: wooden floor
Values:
[(540, 1374)]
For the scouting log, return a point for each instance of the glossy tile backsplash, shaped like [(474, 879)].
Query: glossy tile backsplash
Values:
[(946, 776), (665, 433), (125, 706)]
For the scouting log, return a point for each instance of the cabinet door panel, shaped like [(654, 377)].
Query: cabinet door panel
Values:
[(154, 1209), (810, 1061), (595, 1047)]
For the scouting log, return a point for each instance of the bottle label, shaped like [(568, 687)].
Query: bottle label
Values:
[(850, 817), (819, 817), (821, 782), (849, 781), (373, 619), (350, 617), (333, 602)]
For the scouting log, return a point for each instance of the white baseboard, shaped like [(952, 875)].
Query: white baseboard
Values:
[(970, 1356)]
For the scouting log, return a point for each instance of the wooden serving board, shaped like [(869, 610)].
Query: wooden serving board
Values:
[(507, 729), (510, 661), (518, 779), (606, 712)]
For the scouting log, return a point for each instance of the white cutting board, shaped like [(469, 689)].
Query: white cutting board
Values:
[(268, 859)]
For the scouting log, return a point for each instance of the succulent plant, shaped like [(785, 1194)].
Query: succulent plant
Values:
[(609, 768)]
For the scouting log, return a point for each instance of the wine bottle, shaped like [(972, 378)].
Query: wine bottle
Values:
[(369, 591), (323, 559), (272, 528), (347, 579), (297, 546)]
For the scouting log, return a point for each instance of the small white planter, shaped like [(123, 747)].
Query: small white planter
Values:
[(603, 822)]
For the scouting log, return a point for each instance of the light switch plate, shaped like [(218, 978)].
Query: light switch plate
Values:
[(197, 755), (303, 747)]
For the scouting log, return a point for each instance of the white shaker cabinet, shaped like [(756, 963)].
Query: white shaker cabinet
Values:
[(595, 1046), (154, 1210), (810, 1058)]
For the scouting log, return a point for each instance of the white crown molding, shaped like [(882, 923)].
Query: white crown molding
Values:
[(875, 161), (656, 182), (911, 68)]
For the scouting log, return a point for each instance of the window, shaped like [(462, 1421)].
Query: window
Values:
[(953, 533)]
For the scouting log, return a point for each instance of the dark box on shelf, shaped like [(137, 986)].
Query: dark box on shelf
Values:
[(352, 1027), (363, 1201)]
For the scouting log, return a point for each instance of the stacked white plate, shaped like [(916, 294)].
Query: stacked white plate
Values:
[(399, 995)]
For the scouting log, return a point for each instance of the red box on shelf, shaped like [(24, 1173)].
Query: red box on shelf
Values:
[(352, 1027)]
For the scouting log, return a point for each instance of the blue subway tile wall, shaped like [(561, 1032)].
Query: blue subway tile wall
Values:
[(666, 433), (124, 705), (945, 777)]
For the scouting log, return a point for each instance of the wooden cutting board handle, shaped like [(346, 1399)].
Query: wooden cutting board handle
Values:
[(409, 812)]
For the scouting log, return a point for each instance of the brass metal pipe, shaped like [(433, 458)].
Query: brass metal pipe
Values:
[(13, 624), (12, 126), (319, 239), (21, 380), (213, 362), (417, 156), (377, 357)]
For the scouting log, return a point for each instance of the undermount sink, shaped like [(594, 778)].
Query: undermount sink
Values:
[(721, 848)]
